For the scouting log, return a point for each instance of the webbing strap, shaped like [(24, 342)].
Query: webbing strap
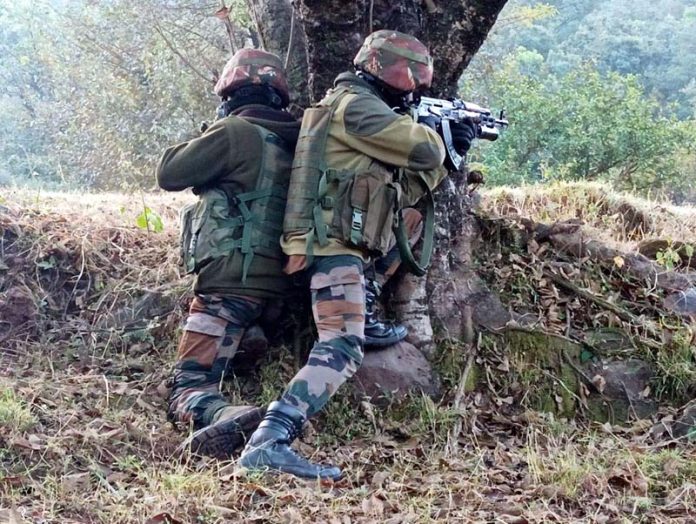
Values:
[(247, 221), (319, 224), (418, 268), (262, 193)]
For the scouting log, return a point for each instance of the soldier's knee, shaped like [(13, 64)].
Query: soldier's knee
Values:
[(412, 218)]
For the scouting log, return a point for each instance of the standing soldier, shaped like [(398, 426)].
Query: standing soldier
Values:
[(356, 161), (239, 168)]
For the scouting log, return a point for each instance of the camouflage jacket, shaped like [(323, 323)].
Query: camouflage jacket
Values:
[(228, 157), (366, 134)]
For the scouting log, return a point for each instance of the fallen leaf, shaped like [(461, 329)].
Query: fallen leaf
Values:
[(373, 506), (21, 442), (166, 518), (379, 478)]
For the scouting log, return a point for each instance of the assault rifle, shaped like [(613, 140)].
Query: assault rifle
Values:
[(488, 127)]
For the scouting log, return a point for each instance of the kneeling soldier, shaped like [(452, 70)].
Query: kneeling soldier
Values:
[(240, 169)]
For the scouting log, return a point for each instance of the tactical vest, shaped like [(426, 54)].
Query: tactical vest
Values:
[(365, 206), (362, 204), (250, 222)]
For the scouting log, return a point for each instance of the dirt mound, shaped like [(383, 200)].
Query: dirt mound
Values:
[(62, 275)]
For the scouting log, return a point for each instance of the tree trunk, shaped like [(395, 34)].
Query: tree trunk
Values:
[(274, 23), (333, 31)]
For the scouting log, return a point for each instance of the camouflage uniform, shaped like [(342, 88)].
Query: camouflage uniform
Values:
[(213, 331), (338, 215)]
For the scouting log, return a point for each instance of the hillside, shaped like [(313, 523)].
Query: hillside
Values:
[(90, 308)]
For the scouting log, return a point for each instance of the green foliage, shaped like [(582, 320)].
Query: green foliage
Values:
[(149, 220), (14, 413), (585, 120), (676, 365), (668, 257), (91, 92), (655, 40)]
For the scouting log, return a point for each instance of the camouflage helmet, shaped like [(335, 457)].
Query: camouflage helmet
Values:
[(399, 60), (253, 67)]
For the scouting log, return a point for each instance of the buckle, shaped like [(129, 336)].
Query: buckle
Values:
[(357, 222)]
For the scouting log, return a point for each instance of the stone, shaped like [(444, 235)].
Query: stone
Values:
[(608, 340), (621, 395), (545, 366), (682, 302), (393, 372), (489, 312), (685, 426)]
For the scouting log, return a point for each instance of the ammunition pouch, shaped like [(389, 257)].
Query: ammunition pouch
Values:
[(364, 210)]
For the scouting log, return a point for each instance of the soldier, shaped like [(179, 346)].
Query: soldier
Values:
[(356, 161), (239, 168)]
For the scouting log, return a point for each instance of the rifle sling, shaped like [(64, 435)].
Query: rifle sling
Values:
[(418, 268)]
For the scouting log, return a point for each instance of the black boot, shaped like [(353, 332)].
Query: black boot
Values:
[(228, 431), (378, 333), (269, 446)]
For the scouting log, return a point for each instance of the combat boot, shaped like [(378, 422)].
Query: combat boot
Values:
[(377, 332), (269, 446), (230, 429)]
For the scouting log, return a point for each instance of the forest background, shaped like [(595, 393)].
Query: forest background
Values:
[(92, 92)]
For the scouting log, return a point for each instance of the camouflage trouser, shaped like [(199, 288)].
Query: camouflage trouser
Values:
[(213, 331), (338, 305)]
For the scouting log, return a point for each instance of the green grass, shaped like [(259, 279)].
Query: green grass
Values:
[(15, 415)]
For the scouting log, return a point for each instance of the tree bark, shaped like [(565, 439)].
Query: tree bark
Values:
[(332, 32), (273, 19)]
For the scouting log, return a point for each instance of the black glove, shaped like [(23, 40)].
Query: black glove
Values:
[(463, 133), (430, 121)]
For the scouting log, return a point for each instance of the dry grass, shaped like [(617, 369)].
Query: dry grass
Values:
[(620, 219), (83, 436)]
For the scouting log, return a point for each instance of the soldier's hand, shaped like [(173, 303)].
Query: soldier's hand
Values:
[(463, 133)]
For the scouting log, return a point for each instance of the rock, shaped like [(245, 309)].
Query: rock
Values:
[(545, 367), (488, 311), (682, 303), (395, 371), (621, 385), (685, 426), (609, 340)]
